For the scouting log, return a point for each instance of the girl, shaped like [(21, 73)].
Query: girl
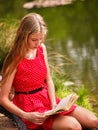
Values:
[(26, 71)]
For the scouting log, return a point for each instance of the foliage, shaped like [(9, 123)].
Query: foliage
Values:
[(83, 100), (7, 33), (62, 90)]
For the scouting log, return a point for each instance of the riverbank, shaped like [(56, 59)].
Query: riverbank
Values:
[(6, 124)]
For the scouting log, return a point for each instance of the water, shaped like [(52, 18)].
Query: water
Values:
[(72, 32)]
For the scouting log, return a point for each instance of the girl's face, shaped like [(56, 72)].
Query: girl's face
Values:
[(34, 40)]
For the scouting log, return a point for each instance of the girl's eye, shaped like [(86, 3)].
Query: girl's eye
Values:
[(36, 40)]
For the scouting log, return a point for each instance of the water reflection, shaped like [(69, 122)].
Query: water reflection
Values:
[(84, 66), (85, 61)]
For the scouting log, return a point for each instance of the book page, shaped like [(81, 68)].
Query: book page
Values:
[(63, 105)]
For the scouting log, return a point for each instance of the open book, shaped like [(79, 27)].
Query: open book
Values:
[(64, 105)]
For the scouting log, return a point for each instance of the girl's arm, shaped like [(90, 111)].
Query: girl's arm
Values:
[(51, 88), (4, 97), (34, 117)]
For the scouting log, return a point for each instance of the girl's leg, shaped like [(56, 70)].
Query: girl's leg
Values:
[(85, 117), (66, 123)]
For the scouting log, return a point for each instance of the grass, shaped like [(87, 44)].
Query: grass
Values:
[(81, 91), (7, 33)]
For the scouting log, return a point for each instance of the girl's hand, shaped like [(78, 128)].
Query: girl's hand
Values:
[(36, 117), (53, 106)]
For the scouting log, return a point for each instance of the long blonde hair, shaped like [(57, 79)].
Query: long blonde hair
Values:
[(31, 23)]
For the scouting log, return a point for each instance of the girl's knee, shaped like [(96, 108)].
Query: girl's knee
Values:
[(75, 126), (91, 122), (94, 122), (67, 123)]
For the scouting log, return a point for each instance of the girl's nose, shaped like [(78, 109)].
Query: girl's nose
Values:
[(38, 41)]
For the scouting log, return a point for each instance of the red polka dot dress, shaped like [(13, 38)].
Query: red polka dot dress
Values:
[(31, 75)]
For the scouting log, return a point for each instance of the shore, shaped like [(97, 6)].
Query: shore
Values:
[(6, 124)]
